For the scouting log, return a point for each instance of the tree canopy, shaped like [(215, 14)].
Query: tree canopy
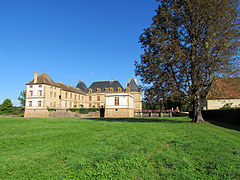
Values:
[(189, 43), (22, 98)]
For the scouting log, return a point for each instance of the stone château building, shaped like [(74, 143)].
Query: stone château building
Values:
[(42, 94)]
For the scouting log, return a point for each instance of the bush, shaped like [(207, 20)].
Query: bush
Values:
[(230, 116), (84, 110), (7, 106)]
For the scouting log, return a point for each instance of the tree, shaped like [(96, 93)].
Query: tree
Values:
[(189, 43), (7, 106), (22, 98)]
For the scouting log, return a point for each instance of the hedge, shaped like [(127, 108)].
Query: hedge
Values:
[(84, 110), (231, 116)]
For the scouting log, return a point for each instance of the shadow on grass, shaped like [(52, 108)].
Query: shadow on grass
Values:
[(152, 119), (226, 125)]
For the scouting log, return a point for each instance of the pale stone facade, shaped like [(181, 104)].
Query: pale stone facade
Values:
[(42, 94), (119, 105), (219, 103)]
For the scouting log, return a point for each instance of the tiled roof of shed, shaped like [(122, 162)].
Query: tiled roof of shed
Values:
[(225, 88)]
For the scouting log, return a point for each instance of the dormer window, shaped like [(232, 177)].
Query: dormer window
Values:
[(40, 86), (111, 89), (90, 90), (127, 89), (106, 90), (119, 89), (30, 86), (98, 90)]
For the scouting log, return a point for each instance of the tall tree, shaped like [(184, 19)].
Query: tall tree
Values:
[(7, 106), (189, 43), (22, 98)]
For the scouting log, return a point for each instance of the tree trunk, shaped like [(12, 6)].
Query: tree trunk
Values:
[(197, 117)]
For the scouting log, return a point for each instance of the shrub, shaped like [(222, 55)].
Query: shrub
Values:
[(230, 116), (7, 106), (84, 110)]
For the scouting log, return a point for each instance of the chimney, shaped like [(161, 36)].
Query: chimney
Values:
[(125, 85), (135, 79), (111, 80), (127, 80), (79, 81), (35, 77)]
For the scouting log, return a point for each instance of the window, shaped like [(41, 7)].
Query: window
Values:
[(39, 103), (106, 90), (111, 89), (70, 95), (127, 89), (98, 90), (30, 103), (98, 98), (119, 89), (31, 93), (60, 97), (40, 92), (30, 86), (75, 97), (65, 103), (55, 94), (54, 104), (116, 101), (90, 90), (51, 93), (90, 98), (82, 97), (66, 95), (40, 86), (90, 105), (98, 105), (50, 104)]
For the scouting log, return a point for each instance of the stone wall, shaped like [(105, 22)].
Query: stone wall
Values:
[(68, 114), (59, 113), (119, 113)]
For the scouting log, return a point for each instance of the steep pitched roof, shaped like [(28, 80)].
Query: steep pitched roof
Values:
[(133, 86), (69, 88), (43, 79), (81, 85), (225, 88), (105, 84)]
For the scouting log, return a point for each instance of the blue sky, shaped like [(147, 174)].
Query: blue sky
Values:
[(70, 40)]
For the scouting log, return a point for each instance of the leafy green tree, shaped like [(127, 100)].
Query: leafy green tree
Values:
[(22, 98), (7, 106), (189, 43)]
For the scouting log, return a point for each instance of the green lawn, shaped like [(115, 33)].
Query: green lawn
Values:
[(166, 148)]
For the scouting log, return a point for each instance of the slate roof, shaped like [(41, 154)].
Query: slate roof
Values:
[(133, 86), (105, 84), (81, 85), (225, 88), (45, 79)]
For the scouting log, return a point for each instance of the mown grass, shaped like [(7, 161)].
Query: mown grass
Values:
[(164, 148)]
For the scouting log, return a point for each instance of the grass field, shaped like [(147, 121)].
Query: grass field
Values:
[(163, 148)]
